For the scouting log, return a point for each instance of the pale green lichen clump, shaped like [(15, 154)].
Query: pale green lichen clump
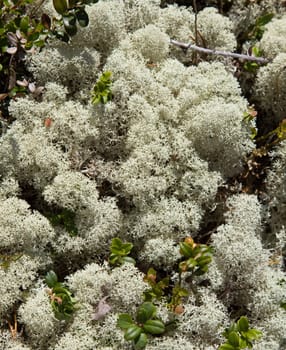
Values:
[(150, 166)]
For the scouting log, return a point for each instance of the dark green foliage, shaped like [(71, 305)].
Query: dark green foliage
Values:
[(251, 66), (258, 28), (198, 257), (65, 218), (146, 323), (19, 33), (178, 293), (157, 290), (101, 92), (72, 13), (119, 252), (61, 6), (240, 336), (61, 299)]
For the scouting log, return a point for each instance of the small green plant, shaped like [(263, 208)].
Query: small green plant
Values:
[(176, 302), (157, 290), (240, 336), (71, 13), (101, 92), (257, 30), (251, 66), (146, 324), (198, 257), (63, 304), (119, 252)]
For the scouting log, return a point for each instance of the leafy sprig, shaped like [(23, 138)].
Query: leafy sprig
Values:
[(119, 251), (198, 257), (61, 299), (157, 290), (101, 92), (146, 324), (72, 13), (240, 336)]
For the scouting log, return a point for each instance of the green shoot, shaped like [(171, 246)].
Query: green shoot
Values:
[(119, 252), (146, 323), (240, 336), (157, 288), (198, 256), (101, 92), (62, 302)]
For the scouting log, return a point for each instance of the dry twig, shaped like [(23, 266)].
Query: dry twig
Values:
[(189, 46)]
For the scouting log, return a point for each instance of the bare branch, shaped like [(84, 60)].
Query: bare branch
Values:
[(190, 46)]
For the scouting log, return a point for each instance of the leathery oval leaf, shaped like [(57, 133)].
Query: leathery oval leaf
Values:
[(146, 311), (132, 332), (82, 18), (154, 327), (141, 342), (243, 324), (60, 6), (124, 321), (233, 339)]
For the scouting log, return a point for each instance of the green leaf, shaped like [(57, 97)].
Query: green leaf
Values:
[(51, 279), (33, 36), (146, 311), (128, 259), (24, 24), (1, 67), (243, 324), (191, 262), (154, 327), (60, 6), (141, 342), (82, 18), (261, 21), (125, 246), (114, 259), (256, 51), (233, 339), (132, 332), (124, 321), (186, 250), (59, 289), (39, 43), (226, 347), (117, 246), (252, 334), (116, 243)]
